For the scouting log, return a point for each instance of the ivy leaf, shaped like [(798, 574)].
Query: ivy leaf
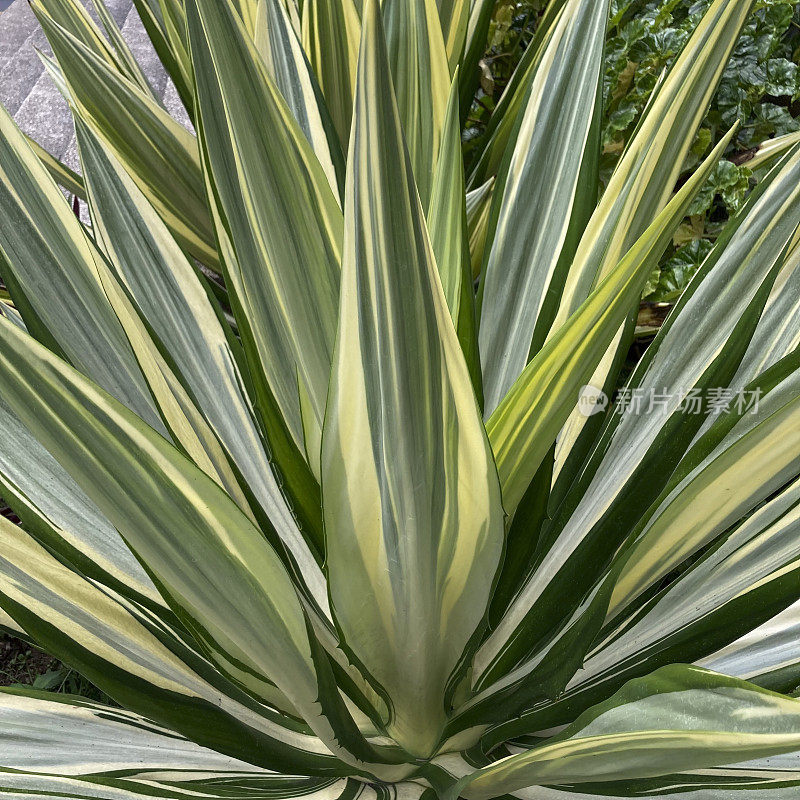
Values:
[(675, 275)]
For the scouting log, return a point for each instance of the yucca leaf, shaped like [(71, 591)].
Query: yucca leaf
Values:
[(248, 10), (454, 18), (646, 175), (280, 48), (8, 310), (71, 737), (59, 172), (591, 523), (60, 515), (171, 298), (277, 208), (168, 407), (205, 786), (639, 733), (770, 778), (766, 655), (771, 149), (480, 18), (747, 577), (714, 322), (55, 74), (528, 648), (220, 576), (776, 334), (213, 788), (525, 424), (716, 483), (288, 459), (410, 495), (447, 223), (8, 626), (241, 419), (52, 267), (524, 532), (774, 777), (331, 30), (74, 18), (161, 155), (479, 203), (536, 192), (184, 423), (421, 80), (165, 23), (502, 125), (640, 186), (97, 752), (91, 630), (128, 64)]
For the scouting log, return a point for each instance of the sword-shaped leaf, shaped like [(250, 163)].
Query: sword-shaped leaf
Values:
[(713, 321), (447, 223), (280, 48), (679, 718), (536, 192), (72, 297), (277, 208), (128, 65), (479, 203), (74, 18), (749, 576), (331, 33), (502, 126), (60, 515), (718, 481), (146, 669), (767, 655), (645, 177), (454, 17), (52, 267), (160, 154), (421, 81), (60, 173), (523, 427), (165, 23), (410, 494), (213, 566), (643, 181), (73, 737), (594, 519), (169, 295)]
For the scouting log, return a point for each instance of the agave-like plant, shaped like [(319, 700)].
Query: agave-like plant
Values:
[(327, 522)]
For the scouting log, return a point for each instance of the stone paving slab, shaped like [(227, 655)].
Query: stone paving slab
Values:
[(31, 96)]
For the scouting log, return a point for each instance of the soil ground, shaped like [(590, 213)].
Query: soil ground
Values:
[(22, 664)]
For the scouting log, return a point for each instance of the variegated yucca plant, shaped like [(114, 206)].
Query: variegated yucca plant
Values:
[(327, 521)]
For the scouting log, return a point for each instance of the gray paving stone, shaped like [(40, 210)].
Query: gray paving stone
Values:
[(173, 104), (30, 95), (53, 131), (17, 26)]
